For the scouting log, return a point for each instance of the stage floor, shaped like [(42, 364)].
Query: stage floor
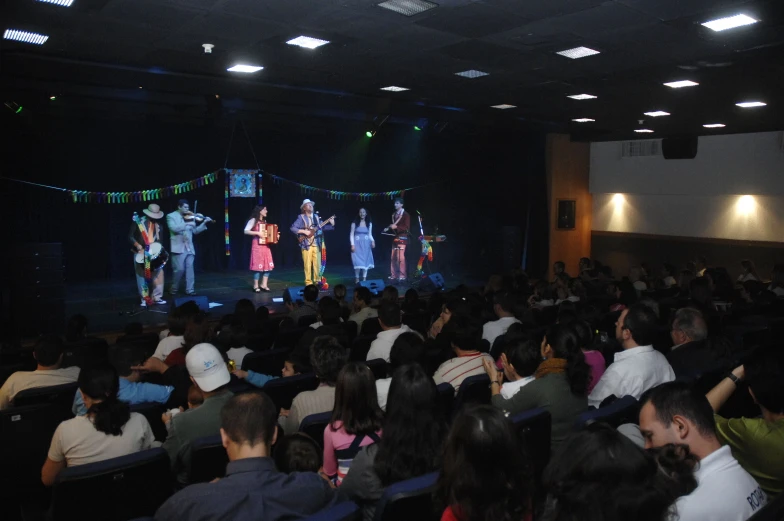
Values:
[(111, 305)]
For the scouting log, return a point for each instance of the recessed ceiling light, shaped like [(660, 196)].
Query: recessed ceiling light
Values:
[(244, 68), (24, 36), (307, 42), (582, 96), (682, 83), (52, 98), (729, 22), (408, 7), (643, 130), (62, 3), (750, 104), (657, 113), (577, 52), (393, 88), (472, 74), (714, 125), (583, 120), (503, 106)]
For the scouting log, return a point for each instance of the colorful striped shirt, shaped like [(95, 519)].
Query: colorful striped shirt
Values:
[(457, 369)]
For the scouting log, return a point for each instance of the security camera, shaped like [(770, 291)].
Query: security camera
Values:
[(640, 121), (208, 48)]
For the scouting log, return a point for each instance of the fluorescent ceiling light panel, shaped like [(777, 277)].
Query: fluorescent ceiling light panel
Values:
[(408, 7), (730, 22), (307, 42), (657, 113), (472, 74), (503, 106), (577, 52), (582, 96), (583, 120), (681, 84), (62, 3), (393, 88), (714, 125), (643, 130), (24, 36), (750, 104), (244, 68)]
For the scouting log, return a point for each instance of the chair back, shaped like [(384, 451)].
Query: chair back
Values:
[(410, 499), (282, 391), (307, 320), (85, 352), (265, 362), (446, 396), (153, 411), (370, 327), (622, 410), (288, 338), (314, 425), (61, 396), (146, 342), (474, 389), (360, 347), (345, 511), (116, 489), (533, 429), (208, 459), (378, 367), (349, 331)]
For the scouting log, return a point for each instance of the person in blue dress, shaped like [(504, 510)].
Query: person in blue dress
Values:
[(362, 244)]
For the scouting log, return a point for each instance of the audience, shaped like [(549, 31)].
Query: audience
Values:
[(298, 452), (484, 474), (361, 307), (390, 294), (339, 294), (177, 322), (253, 488), (108, 430), (48, 353), (691, 353), (468, 359), (234, 339), (757, 443), (356, 419), (245, 314), (503, 306), (676, 413), (777, 280), (519, 361), (411, 302), (639, 366), (409, 348), (749, 271), (391, 328), (328, 323), (414, 432), (560, 386), (668, 276), (308, 307), (593, 357)]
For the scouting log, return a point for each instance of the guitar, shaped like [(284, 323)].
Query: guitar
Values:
[(308, 240)]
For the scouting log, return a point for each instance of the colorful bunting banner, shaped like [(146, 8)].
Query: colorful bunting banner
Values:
[(340, 195), (83, 196)]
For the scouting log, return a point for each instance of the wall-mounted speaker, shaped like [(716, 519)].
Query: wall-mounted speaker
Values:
[(567, 214), (679, 148)]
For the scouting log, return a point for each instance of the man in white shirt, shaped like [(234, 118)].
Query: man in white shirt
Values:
[(391, 328), (502, 306), (676, 413), (178, 319), (468, 360), (639, 367), (362, 309), (520, 360), (48, 353)]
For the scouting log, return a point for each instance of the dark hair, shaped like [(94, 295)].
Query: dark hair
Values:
[(233, 336), (310, 293), (543, 290), (357, 220), (765, 374), (584, 333), (245, 311), (389, 313), (327, 357), (329, 311), (599, 474), (256, 212), (467, 337), (356, 401), (390, 293), (524, 355), (188, 309), (262, 314), (679, 398), (48, 350), (641, 322), (362, 293), (249, 418), (565, 343), (628, 292), (339, 292), (414, 427), (566, 316), (559, 264), (124, 356), (408, 348), (195, 395), (100, 382), (76, 328), (411, 295), (197, 331), (297, 452), (398, 200), (475, 489), (669, 269), (177, 321), (182, 202), (505, 300)]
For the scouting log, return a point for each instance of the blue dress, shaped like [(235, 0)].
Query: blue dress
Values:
[(362, 257)]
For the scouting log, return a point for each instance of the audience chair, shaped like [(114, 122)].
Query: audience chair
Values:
[(265, 362), (307, 320), (370, 327), (378, 367), (116, 489), (208, 459), (622, 410), (84, 352), (474, 389), (314, 426), (349, 331), (533, 429), (282, 391), (259, 341), (417, 321), (346, 511), (288, 338), (410, 499), (446, 396), (153, 411), (146, 342), (60, 396), (360, 347)]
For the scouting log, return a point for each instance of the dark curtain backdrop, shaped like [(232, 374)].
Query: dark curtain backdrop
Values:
[(484, 181)]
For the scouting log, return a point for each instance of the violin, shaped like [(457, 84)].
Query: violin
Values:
[(198, 218)]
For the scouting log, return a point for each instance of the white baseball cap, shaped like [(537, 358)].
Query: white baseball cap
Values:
[(205, 364)]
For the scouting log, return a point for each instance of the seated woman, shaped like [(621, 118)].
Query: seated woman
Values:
[(414, 431), (108, 430), (356, 419), (484, 474), (560, 386)]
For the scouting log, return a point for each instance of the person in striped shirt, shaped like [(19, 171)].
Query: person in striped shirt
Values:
[(467, 361)]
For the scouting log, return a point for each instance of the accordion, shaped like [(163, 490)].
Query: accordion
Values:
[(272, 233)]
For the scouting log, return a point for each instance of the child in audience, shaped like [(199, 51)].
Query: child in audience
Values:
[(195, 399), (593, 357), (519, 360), (298, 452)]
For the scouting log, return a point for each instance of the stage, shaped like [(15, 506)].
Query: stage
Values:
[(111, 305)]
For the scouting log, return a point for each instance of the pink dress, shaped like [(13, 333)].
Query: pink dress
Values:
[(260, 254)]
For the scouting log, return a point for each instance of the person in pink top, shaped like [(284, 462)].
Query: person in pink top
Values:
[(356, 419), (593, 358)]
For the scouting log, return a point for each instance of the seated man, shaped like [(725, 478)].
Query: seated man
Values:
[(48, 353), (308, 307), (209, 373), (676, 413), (638, 367), (132, 390), (329, 323), (468, 360), (691, 353), (391, 328), (253, 488), (757, 443), (503, 304), (409, 348), (361, 307)]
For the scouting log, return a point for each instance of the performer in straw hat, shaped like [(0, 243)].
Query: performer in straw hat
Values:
[(308, 229), (152, 223)]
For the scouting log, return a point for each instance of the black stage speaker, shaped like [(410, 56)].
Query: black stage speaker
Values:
[(294, 294), (567, 212), (201, 301), (432, 283), (679, 148), (376, 286)]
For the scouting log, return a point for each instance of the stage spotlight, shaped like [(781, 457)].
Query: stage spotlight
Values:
[(416, 127), (13, 106), (370, 133), (378, 122)]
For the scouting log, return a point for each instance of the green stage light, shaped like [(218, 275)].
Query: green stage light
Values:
[(370, 133), (19, 109), (417, 127)]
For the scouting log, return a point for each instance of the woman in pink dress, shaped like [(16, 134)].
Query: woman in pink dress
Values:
[(260, 255)]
